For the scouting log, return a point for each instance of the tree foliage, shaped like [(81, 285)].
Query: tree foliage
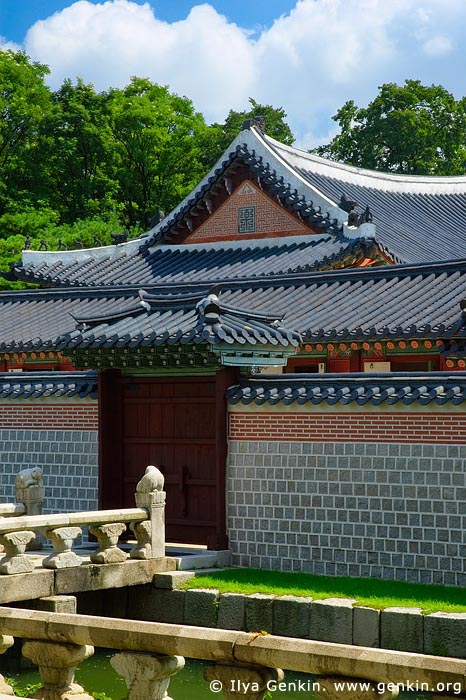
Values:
[(412, 129), (25, 105), (77, 164), (156, 147)]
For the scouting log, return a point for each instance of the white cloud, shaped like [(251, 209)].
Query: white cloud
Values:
[(309, 62), (203, 56), (438, 46), (6, 45)]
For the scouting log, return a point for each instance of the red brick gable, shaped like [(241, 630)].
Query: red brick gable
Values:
[(248, 208)]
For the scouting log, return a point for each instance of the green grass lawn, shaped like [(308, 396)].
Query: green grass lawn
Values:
[(371, 592)]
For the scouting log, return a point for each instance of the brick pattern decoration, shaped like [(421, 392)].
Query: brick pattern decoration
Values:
[(447, 428), (68, 459), (384, 510), (271, 219), (62, 439), (71, 416)]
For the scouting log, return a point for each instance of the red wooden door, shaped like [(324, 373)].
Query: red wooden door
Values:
[(171, 423)]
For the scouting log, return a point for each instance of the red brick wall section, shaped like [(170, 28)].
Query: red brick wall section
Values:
[(349, 427), (271, 218), (49, 416)]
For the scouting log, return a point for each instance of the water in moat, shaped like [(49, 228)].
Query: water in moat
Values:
[(97, 676)]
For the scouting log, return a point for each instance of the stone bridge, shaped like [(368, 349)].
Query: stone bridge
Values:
[(27, 571), (241, 665)]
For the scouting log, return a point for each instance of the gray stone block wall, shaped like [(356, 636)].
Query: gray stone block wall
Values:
[(68, 459), (384, 510)]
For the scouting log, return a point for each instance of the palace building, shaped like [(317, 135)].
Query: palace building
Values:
[(287, 345)]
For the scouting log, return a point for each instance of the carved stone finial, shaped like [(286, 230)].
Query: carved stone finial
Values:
[(153, 480), (151, 496), (29, 489)]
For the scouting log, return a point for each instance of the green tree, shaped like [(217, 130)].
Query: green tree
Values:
[(157, 138), (414, 129), (25, 105), (81, 153)]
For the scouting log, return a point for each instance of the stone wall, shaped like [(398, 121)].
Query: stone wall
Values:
[(336, 620), (385, 508), (59, 436)]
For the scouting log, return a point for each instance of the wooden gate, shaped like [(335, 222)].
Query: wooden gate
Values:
[(175, 425)]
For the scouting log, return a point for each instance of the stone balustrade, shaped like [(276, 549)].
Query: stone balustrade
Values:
[(242, 665), (29, 493), (146, 521)]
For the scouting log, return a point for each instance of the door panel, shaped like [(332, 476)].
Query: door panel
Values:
[(171, 424)]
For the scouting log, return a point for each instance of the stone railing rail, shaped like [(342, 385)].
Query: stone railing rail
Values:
[(146, 522), (8, 510), (244, 665)]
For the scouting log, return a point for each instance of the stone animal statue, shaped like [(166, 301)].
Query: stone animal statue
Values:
[(152, 480), (29, 490), (27, 479)]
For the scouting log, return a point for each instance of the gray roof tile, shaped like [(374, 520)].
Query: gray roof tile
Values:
[(25, 385), (358, 389), (387, 302)]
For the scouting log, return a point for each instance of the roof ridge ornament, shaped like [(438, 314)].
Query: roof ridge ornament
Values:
[(119, 238), (257, 121)]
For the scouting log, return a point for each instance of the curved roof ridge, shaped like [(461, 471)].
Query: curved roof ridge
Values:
[(426, 184), (51, 257)]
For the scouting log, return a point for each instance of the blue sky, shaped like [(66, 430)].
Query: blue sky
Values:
[(307, 56), (16, 16)]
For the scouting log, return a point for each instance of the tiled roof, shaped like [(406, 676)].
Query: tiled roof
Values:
[(360, 389), (417, 218), (178, 318), (403, 301), (34, 385), (196, 263)]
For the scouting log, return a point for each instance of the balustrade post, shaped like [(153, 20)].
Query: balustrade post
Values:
[(147, 676), (151, 496), (107, 537), (15, 560), (336, 688), (57, 663), (29, 490), (62, 539), (5, 643), (242, 682)]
